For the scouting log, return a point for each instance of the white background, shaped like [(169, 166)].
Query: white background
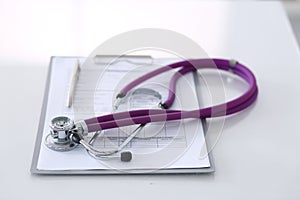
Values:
[(257, 155)]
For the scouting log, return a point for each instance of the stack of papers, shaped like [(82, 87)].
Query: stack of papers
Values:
[(162, 147)]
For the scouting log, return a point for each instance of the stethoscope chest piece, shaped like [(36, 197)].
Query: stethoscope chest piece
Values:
[(59, 139)]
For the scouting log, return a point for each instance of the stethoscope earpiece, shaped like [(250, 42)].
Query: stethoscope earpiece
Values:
[(126, 156)]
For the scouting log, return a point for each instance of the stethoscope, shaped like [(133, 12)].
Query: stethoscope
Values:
[(65, 134)]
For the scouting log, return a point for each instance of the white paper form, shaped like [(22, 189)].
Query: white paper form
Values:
[(175, 144)]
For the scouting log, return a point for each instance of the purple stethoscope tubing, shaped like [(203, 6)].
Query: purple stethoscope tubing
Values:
[(155, 115)]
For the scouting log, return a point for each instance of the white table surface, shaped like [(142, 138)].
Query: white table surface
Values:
[(257, 156)]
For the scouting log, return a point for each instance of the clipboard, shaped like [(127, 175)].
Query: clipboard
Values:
[(104, 60)]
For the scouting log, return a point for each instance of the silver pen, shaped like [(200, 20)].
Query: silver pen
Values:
[(73, 83)]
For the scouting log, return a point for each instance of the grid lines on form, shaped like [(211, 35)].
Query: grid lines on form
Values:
[(87, 102)]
